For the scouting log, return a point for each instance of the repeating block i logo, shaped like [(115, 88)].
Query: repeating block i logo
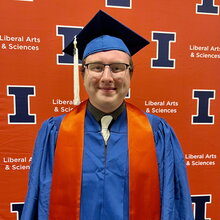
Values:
[(17, 207), (203, 98), (21, 95), (200, 206), (127, 4), (25, 0), (67, 33), (207, 7), (163, 60)]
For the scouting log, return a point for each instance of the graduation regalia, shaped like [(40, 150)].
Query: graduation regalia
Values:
[(102, 198), (73, 141), (104, 189)]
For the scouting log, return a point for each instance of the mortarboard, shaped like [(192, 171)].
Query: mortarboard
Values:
[(102, 33), (100, 25)]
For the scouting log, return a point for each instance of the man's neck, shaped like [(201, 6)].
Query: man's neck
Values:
[(98, 114)]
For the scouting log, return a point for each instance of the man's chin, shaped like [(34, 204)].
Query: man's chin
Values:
[(108, 99), (107, 104)]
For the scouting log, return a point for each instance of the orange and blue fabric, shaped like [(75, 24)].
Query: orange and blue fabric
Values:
[(105, 191)]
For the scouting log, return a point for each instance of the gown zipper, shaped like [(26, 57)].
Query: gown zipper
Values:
[(105, 154)]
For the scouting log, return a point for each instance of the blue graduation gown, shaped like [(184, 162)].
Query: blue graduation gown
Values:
[(105, 186)]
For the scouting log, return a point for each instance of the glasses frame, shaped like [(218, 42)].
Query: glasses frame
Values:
[(126, 67)]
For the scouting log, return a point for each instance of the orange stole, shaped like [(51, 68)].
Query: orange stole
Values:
[(144, 190), (144, 187)]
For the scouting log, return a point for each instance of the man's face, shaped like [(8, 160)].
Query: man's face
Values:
[(107, 90)]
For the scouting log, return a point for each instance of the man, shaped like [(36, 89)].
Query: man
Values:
[(131, 168)]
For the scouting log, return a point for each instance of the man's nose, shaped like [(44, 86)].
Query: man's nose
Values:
[(107, 74)]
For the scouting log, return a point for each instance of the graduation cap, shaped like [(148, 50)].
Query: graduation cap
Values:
[(102, 33), (93, 37)]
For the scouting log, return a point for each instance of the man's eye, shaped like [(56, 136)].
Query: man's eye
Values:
[(116, 68), (96, 68)]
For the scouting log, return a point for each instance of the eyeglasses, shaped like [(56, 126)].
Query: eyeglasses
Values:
[(100, 67)]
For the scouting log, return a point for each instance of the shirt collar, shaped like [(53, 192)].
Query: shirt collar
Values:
[(97, 114)]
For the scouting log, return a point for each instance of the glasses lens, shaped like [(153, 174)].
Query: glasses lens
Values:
[(114, 67), (96, 67), (117, 67)]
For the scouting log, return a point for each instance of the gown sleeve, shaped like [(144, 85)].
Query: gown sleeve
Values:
[(37, 198), (176, 201)]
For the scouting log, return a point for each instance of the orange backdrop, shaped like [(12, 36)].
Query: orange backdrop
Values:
[(176, 77)]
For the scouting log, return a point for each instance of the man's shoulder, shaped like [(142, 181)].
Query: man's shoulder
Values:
[(53, 121), (155, 121), (58, 119), (153, 118)]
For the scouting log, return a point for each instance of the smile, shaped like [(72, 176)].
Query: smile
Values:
[(107, 89)]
